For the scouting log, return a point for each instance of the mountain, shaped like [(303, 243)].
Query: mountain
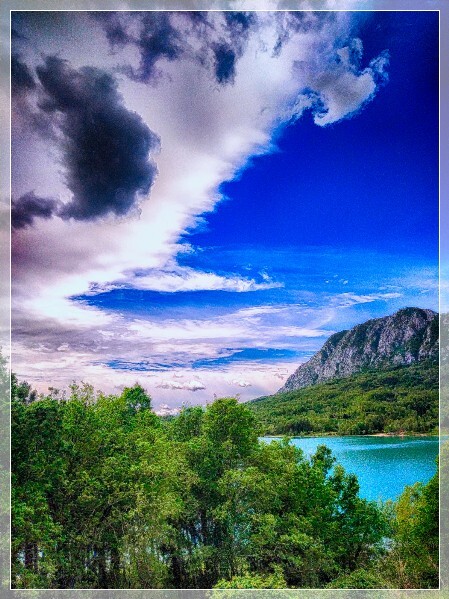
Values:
[(406, 337)]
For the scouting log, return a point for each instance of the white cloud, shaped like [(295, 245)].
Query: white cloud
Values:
[(192, 385), (174, 278), (352, 299), (423, 280), (342, 89), (261, 310), (241, 383), (165, 410), (302, 332), (188, 330), (280, 376), (165, 344)]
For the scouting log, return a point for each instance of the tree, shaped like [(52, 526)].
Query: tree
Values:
[(136, 398), (413, 559), (108, 495)]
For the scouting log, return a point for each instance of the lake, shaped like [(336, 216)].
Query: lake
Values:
[(383, 465)]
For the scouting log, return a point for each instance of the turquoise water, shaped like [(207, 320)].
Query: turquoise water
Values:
[(383, 465)]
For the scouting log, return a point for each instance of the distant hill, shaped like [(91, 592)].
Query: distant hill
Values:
[(402, 399), (409, 336)]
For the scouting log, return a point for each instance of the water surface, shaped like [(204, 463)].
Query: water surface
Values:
[(383, 465)]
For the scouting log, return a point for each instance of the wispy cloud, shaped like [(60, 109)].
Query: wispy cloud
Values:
[(352, 299), (174, 278)]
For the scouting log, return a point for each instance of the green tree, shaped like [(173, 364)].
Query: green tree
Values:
[(38, 472), (412, 561), (108, 495), (136, 398)]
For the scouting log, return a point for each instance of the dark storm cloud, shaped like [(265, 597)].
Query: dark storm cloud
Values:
[(24, 88), (114, 29), (21, 78), (153, 35), (105, 147), (15, 35), (158, 39), (224, 63), (29, 206), (239, 21), (228, 52), (198, 36)]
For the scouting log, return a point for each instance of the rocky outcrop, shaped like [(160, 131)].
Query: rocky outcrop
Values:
[(410, 335)]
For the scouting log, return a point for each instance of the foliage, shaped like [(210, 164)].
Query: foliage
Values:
[(4, 471), (412, 561), (359, 579), (249, 580), (402, 399), (108, 495)]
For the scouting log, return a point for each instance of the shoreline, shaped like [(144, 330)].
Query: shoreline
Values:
[(327, 435)]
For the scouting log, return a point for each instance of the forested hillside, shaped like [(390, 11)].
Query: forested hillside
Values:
[(398, 400), (106, 494)]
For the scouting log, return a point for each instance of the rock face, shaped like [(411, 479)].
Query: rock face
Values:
[(410, 335)]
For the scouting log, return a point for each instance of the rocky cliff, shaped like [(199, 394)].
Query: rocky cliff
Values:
[(410, 335)]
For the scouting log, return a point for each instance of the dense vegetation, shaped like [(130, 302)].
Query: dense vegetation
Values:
[(398, 400), (106, 494)]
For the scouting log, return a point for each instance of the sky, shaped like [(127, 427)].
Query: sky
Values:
[(199, 200)]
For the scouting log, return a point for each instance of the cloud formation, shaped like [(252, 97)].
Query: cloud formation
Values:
[(174, 278), (29, 207), (188, 352), (352, 299), (105, 148), (241, 382), (22, 79), (334, 84), (218, 88), (215, 40), (165, 410), (157, 39), (193, 385), (230, 48), (343, 89)]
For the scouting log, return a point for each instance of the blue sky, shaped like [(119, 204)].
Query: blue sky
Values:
[(370, 182), (260, 204)]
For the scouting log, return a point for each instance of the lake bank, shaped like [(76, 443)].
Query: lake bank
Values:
[(334, 435)]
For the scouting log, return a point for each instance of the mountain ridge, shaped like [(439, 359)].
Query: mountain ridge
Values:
[(409, 335)]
